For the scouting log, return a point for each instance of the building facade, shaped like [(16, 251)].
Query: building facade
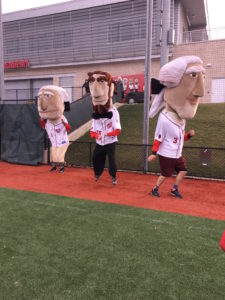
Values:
[(59, 44)]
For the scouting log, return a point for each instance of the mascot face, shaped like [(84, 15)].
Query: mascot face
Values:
[(180, 85), (50, 103), (101, 87), (184, 98)]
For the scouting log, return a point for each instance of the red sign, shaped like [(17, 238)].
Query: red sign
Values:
[(132, 82), (16, 64)]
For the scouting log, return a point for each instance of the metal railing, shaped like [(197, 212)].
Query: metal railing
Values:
[(201, 162), (203, 35), (24, 96)]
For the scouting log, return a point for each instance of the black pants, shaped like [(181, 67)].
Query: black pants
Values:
[(99, 158)]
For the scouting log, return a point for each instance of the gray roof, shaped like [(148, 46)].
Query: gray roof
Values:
[(194, 10), (55, 8)]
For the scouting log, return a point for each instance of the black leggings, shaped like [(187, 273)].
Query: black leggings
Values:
[(99, 158)]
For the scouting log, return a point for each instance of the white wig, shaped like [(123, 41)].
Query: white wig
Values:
[(170, 75), (61, 91)]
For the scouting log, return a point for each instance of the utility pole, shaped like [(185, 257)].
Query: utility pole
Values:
[(167, 33), (2, 88), (148, 51)]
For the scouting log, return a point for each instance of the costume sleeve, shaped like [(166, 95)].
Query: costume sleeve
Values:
[(155, 146), (66, 124), (115, 132), (93, 125), (116, 119), (93, 131), (187, 136), (43, 123), (160, 131), (93, 135)]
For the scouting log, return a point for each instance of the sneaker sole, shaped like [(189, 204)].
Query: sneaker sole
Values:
[(176, 196), (157, 196)]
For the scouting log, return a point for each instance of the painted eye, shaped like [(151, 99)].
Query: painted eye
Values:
[(48, 95), (193, 75)]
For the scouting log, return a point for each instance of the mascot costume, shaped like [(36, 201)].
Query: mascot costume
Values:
[(180, 85), (106, 122), (52, 101), (222, 241)]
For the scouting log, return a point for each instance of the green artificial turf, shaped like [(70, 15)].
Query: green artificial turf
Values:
[(210, 132), (60, 248), (208, 124)]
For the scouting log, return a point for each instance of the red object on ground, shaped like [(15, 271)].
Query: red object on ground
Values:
[(202, 198), (222, 241)]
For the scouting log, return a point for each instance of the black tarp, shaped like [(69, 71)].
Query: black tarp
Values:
[(22, 138)]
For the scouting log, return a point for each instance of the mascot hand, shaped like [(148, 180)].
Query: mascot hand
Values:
[(68, 127), (151, 157), (191, 132), (189, 135), (42, 122)]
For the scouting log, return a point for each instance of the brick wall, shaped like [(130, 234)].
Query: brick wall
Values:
[(213, 55)]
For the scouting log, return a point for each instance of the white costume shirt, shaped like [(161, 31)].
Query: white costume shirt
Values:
[(57, 133), (170, 133), (104, 125)]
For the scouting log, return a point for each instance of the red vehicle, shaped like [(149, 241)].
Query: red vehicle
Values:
[(133, 88)]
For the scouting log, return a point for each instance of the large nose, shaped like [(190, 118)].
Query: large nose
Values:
[(198, 90), (43, 103), (97, 89)]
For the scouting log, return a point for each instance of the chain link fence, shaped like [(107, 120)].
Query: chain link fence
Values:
[(201, 162)]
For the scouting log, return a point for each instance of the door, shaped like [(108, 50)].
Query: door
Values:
[(17, 91), (38, 83), (218, 90)]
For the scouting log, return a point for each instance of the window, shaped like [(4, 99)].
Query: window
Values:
[(114, 33), (63, 39), (127, 31), (40, 42), (12, 46), (67, 82)]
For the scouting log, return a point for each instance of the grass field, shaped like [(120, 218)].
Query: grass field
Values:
[(208, 124), (63, 248), (210, 132)]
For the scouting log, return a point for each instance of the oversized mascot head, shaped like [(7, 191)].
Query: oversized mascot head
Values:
[(182, 84), (101, 87), (52, 101)]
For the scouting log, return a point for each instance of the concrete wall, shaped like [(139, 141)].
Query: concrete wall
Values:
[(211, 52)]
